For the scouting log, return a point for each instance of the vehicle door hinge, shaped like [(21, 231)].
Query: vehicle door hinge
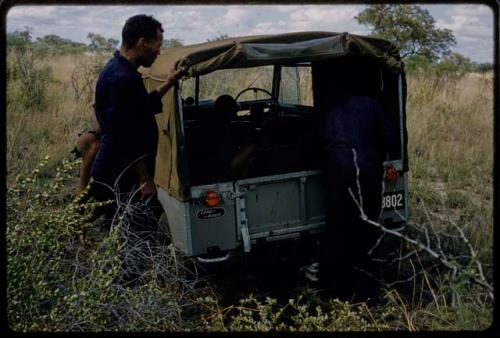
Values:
[(232, 195)]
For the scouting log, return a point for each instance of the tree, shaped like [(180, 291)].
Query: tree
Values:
[(19, 39), (171, 43), (411, 28), (57, 45), (458, 60), (482, 67), (53, 40), (99, 42), (218, 36), (455, 64), (23, 65), (417, 62)]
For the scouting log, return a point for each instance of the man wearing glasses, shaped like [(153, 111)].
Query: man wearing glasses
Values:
[(125, 111)]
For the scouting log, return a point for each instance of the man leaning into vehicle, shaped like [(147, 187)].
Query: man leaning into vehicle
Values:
[(357, 134)]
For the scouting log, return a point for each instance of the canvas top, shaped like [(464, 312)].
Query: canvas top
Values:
[(261, 50)]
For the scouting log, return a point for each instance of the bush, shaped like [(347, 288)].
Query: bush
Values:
[(298, 315), (23, 66), (33, 79), (84, 77), (56, 282), (454, 66)]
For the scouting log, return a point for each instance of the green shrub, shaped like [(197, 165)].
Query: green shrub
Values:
[(297, 316), (58, 283)]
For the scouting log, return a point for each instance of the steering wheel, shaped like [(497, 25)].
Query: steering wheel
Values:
[(257, 89)]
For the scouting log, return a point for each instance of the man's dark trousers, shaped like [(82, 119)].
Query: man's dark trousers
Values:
[(348, 238)]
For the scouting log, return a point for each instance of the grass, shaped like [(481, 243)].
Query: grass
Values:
[(450, 127), (450, 132), (34, 132)]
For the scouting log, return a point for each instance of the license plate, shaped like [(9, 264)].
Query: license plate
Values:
[(393, 200)]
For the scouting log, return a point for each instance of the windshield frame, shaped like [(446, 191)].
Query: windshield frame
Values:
[(274, 85)]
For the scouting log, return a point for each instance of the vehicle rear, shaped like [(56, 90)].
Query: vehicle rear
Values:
[(277, 192), (281, 195)]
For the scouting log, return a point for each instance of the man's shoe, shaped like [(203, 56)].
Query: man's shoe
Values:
[(311, 271)]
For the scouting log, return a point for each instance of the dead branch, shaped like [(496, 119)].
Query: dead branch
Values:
[(435, 251)]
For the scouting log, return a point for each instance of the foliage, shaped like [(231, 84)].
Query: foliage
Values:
[(218, 36), (298, 315), (65, 274), (36, 241), (84, 78), (23, 66), (483, 66), (53, 44), (451, 183), (454, 65), (418, 63), (99, 42), (171, 43), (411, 28), (19, 39), (45, 46)]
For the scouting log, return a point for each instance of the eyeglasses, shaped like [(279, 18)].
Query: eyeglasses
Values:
[(153, 46)]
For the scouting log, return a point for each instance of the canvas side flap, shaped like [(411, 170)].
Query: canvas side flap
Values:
[(165, 146)]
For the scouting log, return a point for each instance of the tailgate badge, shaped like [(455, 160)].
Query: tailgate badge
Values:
[(210, 213)]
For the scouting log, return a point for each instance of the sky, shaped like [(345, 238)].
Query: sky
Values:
[(471, 24)]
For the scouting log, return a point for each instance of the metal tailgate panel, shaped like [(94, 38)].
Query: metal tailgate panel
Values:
[(275, 205)]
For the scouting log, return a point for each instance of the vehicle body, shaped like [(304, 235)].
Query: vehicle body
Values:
[(282, 196)]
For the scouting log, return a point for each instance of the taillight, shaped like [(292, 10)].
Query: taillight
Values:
[(391, 174), (211, 199)]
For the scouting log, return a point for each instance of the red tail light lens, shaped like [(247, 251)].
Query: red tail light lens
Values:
[(211, 199), (391, 174)]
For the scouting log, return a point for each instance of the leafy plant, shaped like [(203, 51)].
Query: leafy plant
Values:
[(297, 316), (65, 274)]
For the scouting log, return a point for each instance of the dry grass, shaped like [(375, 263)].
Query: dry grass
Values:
[(450, 127), (33, 133), (450, 131)]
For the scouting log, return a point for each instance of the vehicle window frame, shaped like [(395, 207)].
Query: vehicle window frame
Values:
[(278, 86), (275, 86)]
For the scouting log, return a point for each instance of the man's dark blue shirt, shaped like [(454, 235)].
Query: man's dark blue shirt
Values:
[(359, 122), (126, 113)]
